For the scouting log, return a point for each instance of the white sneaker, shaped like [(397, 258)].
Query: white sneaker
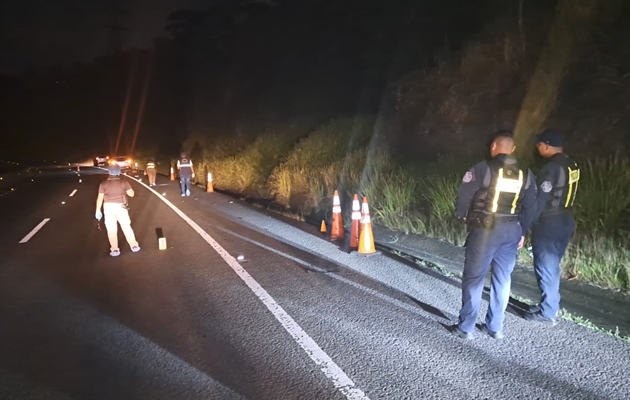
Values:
[(187, 192), (135, 249), (114, 253), (183, 194)]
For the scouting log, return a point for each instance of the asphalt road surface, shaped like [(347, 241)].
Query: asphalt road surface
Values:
[(293, 318)]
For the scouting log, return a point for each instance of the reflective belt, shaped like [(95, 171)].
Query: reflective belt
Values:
[(574, 177), (507, 186)]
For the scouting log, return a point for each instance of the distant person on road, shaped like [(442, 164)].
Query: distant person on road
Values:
[(553, 225), (112, 196), (497, 199), (150, 171), (186, 171)]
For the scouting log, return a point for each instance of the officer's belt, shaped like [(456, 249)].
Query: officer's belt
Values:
[(498, 218), (556, 211), (507, 218)]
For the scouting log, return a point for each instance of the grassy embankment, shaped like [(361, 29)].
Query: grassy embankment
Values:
[(301, 170)]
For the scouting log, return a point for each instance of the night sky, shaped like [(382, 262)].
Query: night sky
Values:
[(37, 33), (433, 71)]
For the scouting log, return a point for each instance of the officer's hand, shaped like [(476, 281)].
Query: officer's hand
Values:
[(193, 175), (98, 215), (520, 244)]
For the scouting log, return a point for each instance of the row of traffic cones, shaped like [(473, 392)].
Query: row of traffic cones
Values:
[(361, 236)]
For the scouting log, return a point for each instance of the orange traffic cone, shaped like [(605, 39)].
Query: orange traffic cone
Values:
[(322, 228), (209, 185), (356, 222), (172, 174), (366, 239), (336, 229)]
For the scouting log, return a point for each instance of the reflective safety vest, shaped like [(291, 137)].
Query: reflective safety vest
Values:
[(565, 188), (503, 189), (150, 165), (185, 166)]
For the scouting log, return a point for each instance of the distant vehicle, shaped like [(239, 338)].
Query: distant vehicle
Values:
[(125, 163), (101, 161)]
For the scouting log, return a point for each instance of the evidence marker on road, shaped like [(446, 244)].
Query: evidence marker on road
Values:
[(161, 239)]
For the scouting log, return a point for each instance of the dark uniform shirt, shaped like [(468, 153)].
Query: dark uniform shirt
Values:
[(557, 185), (480, 177), (185, 166), (114, 189)]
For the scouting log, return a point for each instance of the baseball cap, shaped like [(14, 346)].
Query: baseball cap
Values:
[(114, 170), (551, 137)]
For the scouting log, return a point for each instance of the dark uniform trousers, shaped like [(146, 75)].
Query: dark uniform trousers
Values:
[(550, 239), (494, 248), (558, 182), (185, 173)]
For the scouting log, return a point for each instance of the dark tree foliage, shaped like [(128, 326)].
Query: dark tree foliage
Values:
[(239, 67)]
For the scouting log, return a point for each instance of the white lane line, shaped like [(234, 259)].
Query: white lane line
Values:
[(73, 192), (340, 380), (34, 231)]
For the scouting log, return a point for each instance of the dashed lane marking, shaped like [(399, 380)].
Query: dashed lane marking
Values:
[(34, 231)]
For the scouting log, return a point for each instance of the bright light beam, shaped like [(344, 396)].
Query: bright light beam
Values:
[(145, 89), (569, 29), (123, 118)]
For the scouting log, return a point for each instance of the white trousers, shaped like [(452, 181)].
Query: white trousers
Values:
[(115, 214)]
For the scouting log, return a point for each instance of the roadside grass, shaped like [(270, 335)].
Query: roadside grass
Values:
[(599, 259), (248, 168), (393, 193), (603, 194), (576, 319), (440, 192), (312, 170), (600, 252), (301, 169)]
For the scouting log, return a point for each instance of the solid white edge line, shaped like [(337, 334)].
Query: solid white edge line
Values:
[(73, 192), (340, 380), (34, 231)]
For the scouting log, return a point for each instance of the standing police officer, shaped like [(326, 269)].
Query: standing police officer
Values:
[(554, 224), (186, 171), (151, 172), (112, 195), (497, 200)]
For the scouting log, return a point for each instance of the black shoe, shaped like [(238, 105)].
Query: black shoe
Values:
[(538, 317), (494, 335), (461, 334)]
